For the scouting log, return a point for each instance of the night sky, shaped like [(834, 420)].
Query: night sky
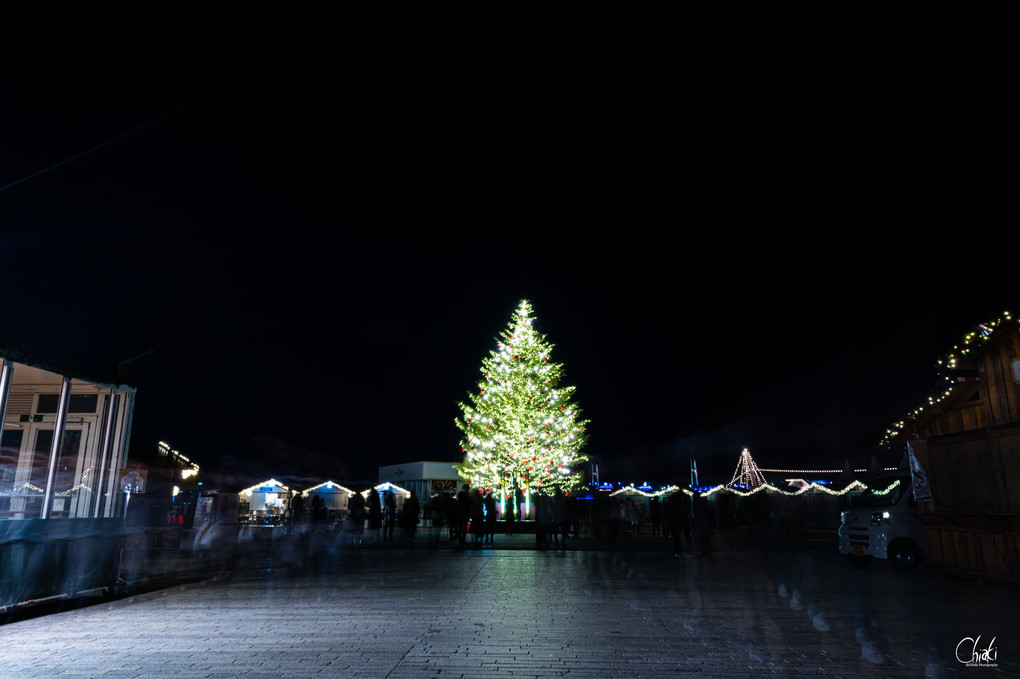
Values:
[(300, 233)]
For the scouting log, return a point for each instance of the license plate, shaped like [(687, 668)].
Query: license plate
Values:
[(858, 550)]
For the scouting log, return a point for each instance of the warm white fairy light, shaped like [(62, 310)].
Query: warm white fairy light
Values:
[(631, 490), (971, 342), (806, 488), (747, 473), (329, 485), (818, 471), (387, 486), (270, 483)]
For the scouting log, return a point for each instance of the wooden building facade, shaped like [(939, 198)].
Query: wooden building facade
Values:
[(968, 445)]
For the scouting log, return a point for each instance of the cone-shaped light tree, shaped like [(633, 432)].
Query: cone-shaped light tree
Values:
[(520, 429)]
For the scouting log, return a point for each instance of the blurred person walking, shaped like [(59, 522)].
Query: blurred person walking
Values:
[(655, 516), (489, 505), (704, 524), (511, 512), (464, 500), (478, 516), (356, 517), (319, 511), (391, 515), (543, 519), (297, 509), (409, 516), (375, 517), (678, 510), (437, 512), (452, 516), (560, 519)]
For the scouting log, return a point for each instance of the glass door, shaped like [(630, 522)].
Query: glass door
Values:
[(27, 500)]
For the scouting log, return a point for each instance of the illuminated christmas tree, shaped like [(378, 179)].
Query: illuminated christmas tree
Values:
[(520, 430)]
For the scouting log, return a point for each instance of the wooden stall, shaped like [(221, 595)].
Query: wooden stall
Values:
[(967, 444), (334, 495)]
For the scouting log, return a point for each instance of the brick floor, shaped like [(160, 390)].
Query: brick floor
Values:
[(283, 608)]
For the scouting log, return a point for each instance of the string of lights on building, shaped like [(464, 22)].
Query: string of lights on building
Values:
[(946, 364)]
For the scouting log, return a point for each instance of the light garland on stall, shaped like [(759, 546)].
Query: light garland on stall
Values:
[(945, 365), (659, 493), (387, 486), (328, 485), (807, 487), (271, 482), (768, 487)]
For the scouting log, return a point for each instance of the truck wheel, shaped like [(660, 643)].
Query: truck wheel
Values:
[(904, 555)]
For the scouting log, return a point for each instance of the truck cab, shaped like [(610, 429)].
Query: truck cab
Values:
[(883, 523)]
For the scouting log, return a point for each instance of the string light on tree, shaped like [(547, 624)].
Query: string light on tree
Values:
[(520, 428)]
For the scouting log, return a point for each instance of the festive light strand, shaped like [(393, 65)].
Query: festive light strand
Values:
[(971, 342)]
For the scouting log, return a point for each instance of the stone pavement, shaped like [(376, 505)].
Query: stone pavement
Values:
[(325, 608)]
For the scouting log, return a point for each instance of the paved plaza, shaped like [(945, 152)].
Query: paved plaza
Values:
[(291, 608)]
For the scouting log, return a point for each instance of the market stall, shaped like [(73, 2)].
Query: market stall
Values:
[(264, 503), (335, 497)]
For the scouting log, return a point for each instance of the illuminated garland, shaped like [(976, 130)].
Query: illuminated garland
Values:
[(768, 487), (765, 487), (946, 364), (16, 490), (658, 493), (819, 471), (384, 487), (328, 485), (271, 482)]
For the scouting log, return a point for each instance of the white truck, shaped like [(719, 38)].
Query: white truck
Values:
[(883, 523)]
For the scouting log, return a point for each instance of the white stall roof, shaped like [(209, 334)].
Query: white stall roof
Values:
[(268, 486), (328, 487), (387, 486)]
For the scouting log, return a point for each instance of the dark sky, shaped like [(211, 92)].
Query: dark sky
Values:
[(307, 228)]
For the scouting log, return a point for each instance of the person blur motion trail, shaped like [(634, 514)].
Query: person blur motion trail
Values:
[(543, 519), (375, 516), (655, 516), (510, 517), (489, 505), (704, 525), (356, 517), (436, 509), (409, 516), (390, 516), (678, 508), (477, 517), (560, 525), (297, 510), (464, 500)]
